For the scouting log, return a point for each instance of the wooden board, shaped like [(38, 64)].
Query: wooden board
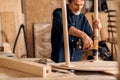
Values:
[(6, 73), (8, 27), (9, 74), (42, 34), (25, 66), (110, 66)]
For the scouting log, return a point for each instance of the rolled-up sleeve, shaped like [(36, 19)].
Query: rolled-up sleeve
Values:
[(57, 21), (56, 32)]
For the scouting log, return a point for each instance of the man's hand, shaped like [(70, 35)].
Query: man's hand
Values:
[(87, 42), (96, 24)]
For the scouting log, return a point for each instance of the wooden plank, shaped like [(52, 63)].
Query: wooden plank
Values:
[(58, 74), (42, 34), (9, 74), (8, 27), (90, 66), (25, 66), (95, 31)]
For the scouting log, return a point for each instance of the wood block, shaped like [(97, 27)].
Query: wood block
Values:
[(25, 66), (104, 66), (5, 47)]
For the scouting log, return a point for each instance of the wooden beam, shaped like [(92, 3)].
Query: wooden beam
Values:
[(65, 31), (25, 66), (105, 66), (95, 30)]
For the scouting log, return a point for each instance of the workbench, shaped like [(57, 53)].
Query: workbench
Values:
[(9, 74), (56, 73)]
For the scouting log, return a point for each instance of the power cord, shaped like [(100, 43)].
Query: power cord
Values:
[(25, 39)]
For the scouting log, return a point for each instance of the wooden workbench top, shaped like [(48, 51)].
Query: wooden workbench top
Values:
[(8, 74)]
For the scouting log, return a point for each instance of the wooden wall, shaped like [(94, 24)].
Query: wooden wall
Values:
[(38, 11)]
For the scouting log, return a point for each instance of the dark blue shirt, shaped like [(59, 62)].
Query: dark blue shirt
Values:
[(57, 40)]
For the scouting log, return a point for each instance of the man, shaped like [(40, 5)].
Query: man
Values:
[(79, 32)]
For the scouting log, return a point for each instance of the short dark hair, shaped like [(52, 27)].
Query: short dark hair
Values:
[(70, 1)]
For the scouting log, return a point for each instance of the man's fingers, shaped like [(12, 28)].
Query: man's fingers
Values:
[(88, 46), (97, 24)]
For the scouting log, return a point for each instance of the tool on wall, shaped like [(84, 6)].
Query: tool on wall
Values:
[(112, 31)]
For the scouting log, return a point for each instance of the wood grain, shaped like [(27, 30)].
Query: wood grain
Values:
[(25, 66)]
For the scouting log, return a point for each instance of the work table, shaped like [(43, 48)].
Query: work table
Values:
[(9, 74)]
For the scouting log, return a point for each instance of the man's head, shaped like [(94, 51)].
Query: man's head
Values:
[(76, 6)]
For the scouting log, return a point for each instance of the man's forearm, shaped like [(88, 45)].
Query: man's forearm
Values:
[(87, 41), (76, 32)]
